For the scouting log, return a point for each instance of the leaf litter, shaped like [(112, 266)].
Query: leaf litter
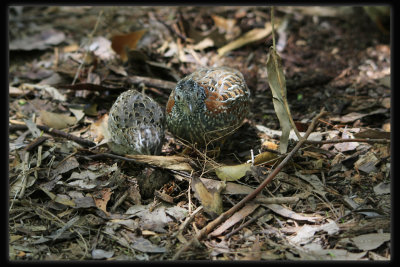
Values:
[(331, 202)]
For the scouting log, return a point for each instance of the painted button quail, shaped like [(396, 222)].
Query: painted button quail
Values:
[(136, 124), (208, 104)]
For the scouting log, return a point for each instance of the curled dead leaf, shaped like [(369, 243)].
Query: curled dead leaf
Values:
[(210, 198)]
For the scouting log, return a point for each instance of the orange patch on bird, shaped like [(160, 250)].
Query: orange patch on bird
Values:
[(170, 104)]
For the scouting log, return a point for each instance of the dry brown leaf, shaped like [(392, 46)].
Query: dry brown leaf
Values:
[(373, 134), (249, 37), (279, 209), (167, 162), (235, 218), (101, 199), (99, 130), (265, 157), (125, 42), (237, 189), (210, 198), (223, 23), (269, 145), (56, 120)]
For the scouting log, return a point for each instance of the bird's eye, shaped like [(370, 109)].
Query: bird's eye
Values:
[(178, 97)]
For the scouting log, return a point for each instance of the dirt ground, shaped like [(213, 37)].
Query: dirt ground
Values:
[(70, 198)]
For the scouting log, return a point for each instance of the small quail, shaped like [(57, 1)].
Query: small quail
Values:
[(207, 105), (136, 124)]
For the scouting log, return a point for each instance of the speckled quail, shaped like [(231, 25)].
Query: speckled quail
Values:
[(136, 124), (208, 104)]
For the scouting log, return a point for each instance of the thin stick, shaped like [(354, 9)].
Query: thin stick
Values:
[(367, 140), (86, 51), (209, 227), (55, 132)]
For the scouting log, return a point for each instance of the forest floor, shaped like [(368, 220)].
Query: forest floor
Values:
[(71, 200)]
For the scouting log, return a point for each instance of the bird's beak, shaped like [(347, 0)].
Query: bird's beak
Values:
[(187, 108)]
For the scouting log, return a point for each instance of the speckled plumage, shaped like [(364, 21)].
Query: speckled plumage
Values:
[(136, 124), (208, 104)]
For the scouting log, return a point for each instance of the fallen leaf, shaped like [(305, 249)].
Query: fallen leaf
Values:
[(367, 163), (101, 47), (249, 37), (382, 189), (237, 189), (52, 91), (235, 218), (210, 198), (101, 199), (307, 232), (279, 209), (205, 43), (373, 134), (277, 84), (232, 173), (99, 254), (265, 157), (176, 163), (125, 42), (40, 41), (370, 241), (56, 120), (99, 130), (223, 23)]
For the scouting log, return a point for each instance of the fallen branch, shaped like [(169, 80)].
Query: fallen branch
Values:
[(209, 227)]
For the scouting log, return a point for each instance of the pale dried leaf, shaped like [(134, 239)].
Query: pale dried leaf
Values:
[(370, 241), (232, 173), (56, 120), (249, 37), (176, 163), (99, 254), (235, 218), (210, 198), (277, 84), (279, 209)]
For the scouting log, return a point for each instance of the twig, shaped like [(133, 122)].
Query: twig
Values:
[(86, 51), (151, 82), (187, 221), (55, 132), (38, 141), (367, 140), (207, 229), (172, 30), (119, 201), (136, 80), (111, 156), (276, 200), (272, 24)]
